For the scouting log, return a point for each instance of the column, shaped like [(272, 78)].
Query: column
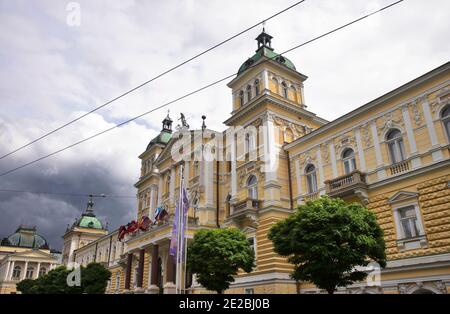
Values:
[(266, 89), (151, 209), (6, 278), (140, 274), (173, 178), (298, 178), (186, 174), (11, 270), (333, 159), (153, 288), (381, 173), (271, 163), (169, 287), (24, 274), (128, 271), (415, 161), (209, 183), (160, 189), (38, 269), (233, 167), (362, 158), (435, 147), (320, 168)]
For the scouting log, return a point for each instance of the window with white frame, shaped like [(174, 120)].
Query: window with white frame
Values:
[(348, 158), (408, 221), (311, 178), (30, 271), (445, 117), (396, 146), (16, 272), (249, 291), (252, 187)]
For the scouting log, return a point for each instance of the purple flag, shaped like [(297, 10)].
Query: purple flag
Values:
[(174, 239), (185, 208)]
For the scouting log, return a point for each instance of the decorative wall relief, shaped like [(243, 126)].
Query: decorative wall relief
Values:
[(366, 135), (418, 119), (324, 152)]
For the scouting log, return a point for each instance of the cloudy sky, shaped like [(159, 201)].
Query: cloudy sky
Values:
[(52, 71)]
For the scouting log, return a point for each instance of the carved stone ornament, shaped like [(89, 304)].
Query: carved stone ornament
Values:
[(389, 122)]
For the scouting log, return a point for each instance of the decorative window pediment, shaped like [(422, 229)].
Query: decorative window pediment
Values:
[(401, 196)]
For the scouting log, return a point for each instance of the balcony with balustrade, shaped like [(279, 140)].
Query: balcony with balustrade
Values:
[(347, 185), (244, 212)]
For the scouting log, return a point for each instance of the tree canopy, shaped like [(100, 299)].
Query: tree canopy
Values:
[(326, 239), (216, 255), (94, 278)]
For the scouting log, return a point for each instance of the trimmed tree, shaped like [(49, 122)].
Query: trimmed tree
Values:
[(326, 239), (216, 255)]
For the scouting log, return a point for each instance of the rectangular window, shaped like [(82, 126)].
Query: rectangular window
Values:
[(312, 182), (408, 221), (249, 291)]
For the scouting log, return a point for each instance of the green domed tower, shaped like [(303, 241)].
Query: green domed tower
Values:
[(83, 231)]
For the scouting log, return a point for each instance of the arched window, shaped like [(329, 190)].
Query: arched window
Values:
[(113, 252), (445, 116), (241, 98), (100, 257), (285, 89), (256, 87), (348, 157), (396, 147), (252, 187), (16, 272), (42, 271), (288, 135), (311, 178), (275, 83), (117, 282), (249, 92), (30, 271)]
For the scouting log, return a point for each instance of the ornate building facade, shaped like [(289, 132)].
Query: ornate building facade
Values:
[(392, 155), (24, 255)]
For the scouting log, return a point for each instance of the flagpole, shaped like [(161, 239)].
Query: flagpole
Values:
[(179, 232)]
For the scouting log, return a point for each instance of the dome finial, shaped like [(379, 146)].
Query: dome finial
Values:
[(90, 204)]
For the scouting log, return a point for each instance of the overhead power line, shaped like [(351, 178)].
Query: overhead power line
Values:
[(198, 90), (150, 80), (66, 194)]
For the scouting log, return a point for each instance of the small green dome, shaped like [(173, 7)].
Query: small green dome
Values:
[(268, 53), (88, 221), (26, 237), (265, 50)]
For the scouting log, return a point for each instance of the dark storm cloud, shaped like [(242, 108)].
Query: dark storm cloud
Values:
[(52, 213)]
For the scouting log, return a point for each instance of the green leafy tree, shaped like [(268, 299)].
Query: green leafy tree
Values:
[(216, 255), (26, 286), (326, 239), (94, 278)]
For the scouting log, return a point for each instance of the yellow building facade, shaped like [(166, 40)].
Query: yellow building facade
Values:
[(24, 255), (392, 155)]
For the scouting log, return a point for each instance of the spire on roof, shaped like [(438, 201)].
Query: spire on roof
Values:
[(167, 123), (264, 39)]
